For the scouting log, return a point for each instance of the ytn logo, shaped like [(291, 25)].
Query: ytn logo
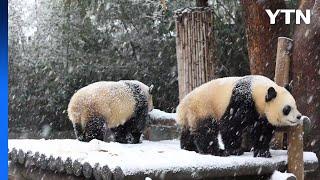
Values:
[(288, 12)]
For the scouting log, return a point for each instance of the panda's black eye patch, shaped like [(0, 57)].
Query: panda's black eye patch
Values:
[(286, 110)]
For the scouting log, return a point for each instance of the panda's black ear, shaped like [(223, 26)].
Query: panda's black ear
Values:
[(151, 88), (271, 94), (289, 86)]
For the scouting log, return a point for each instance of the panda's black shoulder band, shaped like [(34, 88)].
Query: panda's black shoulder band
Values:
[(138, 95)]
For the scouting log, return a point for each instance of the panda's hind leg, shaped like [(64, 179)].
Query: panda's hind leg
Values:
[(120, 134), (78, 131), (94, 129), (187, 140), (206, 137)]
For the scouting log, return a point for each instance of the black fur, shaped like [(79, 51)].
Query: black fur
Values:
[(205, 137), (131, 131), (94, 129), (239, 115), (78, 131), (203, 140), (261, 135), (271, 94), (187, 140)]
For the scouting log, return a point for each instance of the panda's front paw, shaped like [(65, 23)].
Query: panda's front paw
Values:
[(262, 153)]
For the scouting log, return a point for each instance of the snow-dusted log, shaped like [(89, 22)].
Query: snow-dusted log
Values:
[(14, 155), (87, 170), (43, 161), (36, 159), (106, 173), (51, 163), (30, 159), (68, 166), (96, 171), (21, 156), (59, 165), (162, 159), (77, 168), (118, 173)]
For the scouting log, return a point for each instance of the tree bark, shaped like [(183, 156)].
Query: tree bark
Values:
[(262, 36), (305, 71), (195, 48)]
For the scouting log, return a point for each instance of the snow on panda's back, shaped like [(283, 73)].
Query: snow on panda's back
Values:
[(114, 101), (209, 99), (145, 90)]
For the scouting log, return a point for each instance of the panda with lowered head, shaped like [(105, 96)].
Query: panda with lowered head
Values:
[(111, 111), (225, 107)]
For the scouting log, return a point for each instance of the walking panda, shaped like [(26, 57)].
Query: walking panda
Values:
[(111, 110), (227, 106)]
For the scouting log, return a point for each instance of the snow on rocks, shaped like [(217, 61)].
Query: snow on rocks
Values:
[(154, 159), (158, 117), (158, 114)]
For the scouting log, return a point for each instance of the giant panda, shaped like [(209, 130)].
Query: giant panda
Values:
[(111, 111), (225, 107)]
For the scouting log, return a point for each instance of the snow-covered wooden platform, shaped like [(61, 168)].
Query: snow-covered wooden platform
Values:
[(162, 159)]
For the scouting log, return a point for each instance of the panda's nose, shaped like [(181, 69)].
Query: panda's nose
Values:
[(299, 117)]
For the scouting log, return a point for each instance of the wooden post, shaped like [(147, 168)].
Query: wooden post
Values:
[(295, 134), (295, 151), (282, 76), (195, 45)]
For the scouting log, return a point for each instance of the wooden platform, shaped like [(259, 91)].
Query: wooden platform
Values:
[(161, 159)]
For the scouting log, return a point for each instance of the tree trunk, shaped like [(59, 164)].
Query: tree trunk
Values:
[(194, 41), (305, 71), (262, 36)]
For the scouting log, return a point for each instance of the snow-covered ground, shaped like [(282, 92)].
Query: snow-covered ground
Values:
[(277, 175), (148, 156)]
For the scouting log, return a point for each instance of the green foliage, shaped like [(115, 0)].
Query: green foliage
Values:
[(57, 47), (232, 55)]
